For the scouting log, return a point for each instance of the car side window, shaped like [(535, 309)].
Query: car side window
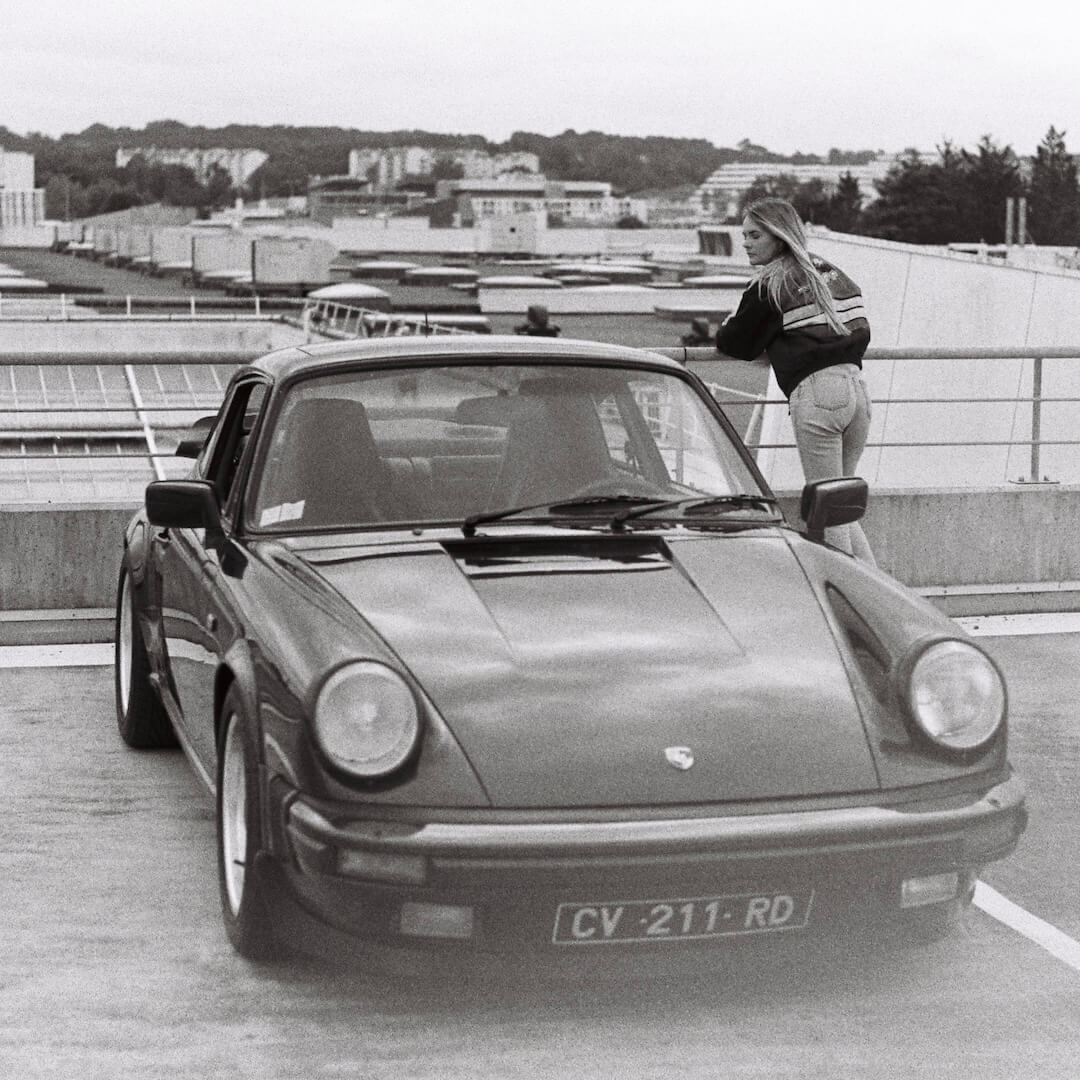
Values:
[(238, 423)]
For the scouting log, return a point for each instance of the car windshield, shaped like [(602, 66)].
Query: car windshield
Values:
[(443, 444)]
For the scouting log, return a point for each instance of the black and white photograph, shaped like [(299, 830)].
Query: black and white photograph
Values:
[(539, 542)]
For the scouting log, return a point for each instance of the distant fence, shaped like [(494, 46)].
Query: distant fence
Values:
[(339, 319), (972, 401), (1027, 435)]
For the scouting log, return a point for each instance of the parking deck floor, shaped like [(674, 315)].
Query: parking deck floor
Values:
[(113, 962)]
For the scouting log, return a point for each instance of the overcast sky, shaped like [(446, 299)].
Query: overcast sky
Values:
[(792, 76)]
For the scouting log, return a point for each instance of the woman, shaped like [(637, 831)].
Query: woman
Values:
[(808, 317)]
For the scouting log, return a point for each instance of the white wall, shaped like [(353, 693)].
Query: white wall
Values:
[(213, 250), (928, 299), (27, 236), (916, 297), (288, 260), (600, 300), (169, 337)]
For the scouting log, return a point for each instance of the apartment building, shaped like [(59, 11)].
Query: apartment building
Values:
[(721, 192), (568, 202), (239, 164), (21, 204), (388, 167)]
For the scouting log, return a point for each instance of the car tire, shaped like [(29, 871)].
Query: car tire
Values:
[(246, 889), (140, 716)]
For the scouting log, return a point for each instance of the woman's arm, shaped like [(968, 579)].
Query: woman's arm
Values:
[(746, 334)]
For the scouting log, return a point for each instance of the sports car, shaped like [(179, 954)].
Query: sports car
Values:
[(502, 645)]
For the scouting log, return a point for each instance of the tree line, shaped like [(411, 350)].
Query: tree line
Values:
[(959, 197)]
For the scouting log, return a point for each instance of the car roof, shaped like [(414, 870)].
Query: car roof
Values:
[(285, 363)]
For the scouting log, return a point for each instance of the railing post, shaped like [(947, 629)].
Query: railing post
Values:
[(1036, 416)]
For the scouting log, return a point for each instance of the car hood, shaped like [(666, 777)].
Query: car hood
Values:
[(567, 671)]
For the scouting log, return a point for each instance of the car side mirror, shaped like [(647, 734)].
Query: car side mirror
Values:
[(832, 502), (194, 439), (183, 504)]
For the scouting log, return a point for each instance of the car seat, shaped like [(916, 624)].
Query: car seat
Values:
[(554, 446), (331, 464)]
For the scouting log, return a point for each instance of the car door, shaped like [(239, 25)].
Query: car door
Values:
[(196, 575)]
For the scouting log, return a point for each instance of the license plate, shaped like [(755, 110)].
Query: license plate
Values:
[(681, 920)]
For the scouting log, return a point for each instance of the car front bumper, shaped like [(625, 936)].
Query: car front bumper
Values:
[(513, 886)]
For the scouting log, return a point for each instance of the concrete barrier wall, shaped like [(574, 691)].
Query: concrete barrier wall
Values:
[(926, 298), (213, 250), (158, 338), (27, 236), (953, 543), (406, 235), (605, 300), (920, 298), (414, 235), (948, 537), (292, 259), (60, 557)]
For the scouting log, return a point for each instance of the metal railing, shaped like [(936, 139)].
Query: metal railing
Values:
[(69, 307), (100, 431), (1033, 402), (338, 319)]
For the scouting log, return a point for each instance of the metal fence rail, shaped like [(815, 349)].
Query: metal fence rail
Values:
[(1035, 401), (130, 433)]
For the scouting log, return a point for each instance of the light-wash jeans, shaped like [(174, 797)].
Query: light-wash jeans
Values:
[(830, 415)]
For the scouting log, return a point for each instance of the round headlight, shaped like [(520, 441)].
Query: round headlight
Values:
[(366, 720), (956, 696)]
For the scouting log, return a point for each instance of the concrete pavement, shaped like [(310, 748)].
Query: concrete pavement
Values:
[(113, 963)]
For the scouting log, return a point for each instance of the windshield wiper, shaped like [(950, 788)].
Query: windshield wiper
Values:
[(695, 505), (468, 526)]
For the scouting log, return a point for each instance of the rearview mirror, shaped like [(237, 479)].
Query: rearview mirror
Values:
[(194, 439), (832, 502)]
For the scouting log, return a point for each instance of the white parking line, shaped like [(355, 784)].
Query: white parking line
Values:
[(35, 656), (1051, 622), (1031, 926)]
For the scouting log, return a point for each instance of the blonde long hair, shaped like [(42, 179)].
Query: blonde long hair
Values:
[(793, 268)]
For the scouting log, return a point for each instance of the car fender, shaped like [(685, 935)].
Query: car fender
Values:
[(136, 548), (236, 668), (877, 622), (136, 558)]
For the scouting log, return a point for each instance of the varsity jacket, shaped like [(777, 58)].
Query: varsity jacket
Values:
[(797, 338)]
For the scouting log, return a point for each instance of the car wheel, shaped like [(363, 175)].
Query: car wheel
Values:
[(246, 891), (140, 715)]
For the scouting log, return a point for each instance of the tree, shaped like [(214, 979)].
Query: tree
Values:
[(920, 202), (991, 177), (218, 188), (1054, 194), (808, 197), (447, 169), (845, 205), (781, 186)]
